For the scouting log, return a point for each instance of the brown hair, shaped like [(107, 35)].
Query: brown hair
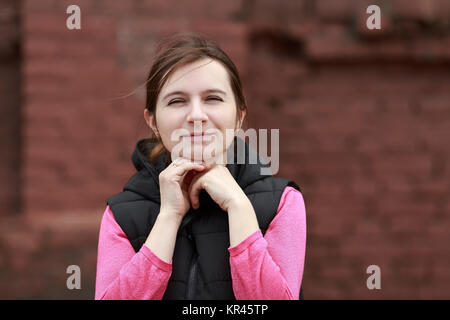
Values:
[(179, 50)]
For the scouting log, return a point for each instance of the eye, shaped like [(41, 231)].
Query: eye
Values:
[(174, 101), (214, 98)]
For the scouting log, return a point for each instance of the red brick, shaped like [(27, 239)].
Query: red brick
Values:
[(330, 10), (363, 125), (415, 9)]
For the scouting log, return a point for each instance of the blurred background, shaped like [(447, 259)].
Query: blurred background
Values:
[(364, 119)]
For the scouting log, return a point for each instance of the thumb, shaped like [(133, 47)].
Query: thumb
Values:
[(187, 180), (194, 193)]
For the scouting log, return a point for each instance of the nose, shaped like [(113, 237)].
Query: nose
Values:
[(197, 114)]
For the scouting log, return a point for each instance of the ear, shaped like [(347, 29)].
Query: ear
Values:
[(241, 120), (151, 121)]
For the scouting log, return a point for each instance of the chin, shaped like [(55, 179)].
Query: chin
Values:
[(207, 157)]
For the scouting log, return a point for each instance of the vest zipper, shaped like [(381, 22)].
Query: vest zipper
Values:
[(192, 281)]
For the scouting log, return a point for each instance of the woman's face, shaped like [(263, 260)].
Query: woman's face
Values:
[(196, 98)]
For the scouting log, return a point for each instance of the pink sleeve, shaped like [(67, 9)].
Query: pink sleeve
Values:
[(124, 274), (271, 267)]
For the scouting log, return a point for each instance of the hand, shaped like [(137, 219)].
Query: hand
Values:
[(174, 182), (220, 185)]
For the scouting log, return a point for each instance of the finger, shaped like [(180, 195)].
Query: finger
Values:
[(181, 170), (209, 163), (194, 191), (181, 160), (177, 162), (187, 179)]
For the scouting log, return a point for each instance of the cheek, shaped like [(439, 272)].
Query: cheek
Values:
[(167, 123), (226, 119)]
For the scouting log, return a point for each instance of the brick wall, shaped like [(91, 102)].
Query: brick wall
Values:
[(363, 118), (10, 107)]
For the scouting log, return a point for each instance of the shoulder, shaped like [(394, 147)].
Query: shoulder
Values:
[(291, 214), (291, 193), (291, 200), (109, 224)]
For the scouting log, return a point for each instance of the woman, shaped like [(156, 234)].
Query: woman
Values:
[(187, 225)]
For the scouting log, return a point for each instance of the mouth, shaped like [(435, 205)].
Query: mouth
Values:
[(199, 136)]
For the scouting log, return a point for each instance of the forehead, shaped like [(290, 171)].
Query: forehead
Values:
[(197, 77)]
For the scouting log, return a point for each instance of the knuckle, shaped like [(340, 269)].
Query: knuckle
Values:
[(162, 176)]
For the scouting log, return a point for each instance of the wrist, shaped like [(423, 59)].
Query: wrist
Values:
[(169, 217), (239, 203)]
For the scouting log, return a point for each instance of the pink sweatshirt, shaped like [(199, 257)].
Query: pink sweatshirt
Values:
[(262, 268)]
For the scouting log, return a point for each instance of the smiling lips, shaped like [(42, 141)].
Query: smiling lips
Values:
[(199, 136)]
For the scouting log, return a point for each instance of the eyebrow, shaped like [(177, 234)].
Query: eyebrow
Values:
[(206, 91)]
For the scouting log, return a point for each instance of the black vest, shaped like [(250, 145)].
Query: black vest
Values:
[(200, 263)]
